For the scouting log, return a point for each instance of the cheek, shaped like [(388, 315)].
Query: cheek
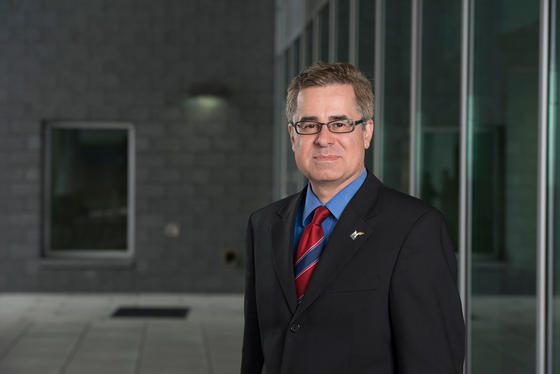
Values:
[(356, 148), (300, 147), (296, 145), (354, 144)]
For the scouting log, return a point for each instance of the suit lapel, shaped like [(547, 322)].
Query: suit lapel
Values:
[(341, 246), (282, 237)]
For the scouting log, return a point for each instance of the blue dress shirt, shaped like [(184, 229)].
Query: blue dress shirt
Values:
[(336, 206)]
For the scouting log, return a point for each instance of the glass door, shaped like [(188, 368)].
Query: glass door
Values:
[(504, 118)]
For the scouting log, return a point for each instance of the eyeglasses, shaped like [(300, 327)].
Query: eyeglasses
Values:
[(339, 126)]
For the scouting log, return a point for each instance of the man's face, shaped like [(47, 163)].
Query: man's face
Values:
[(328, 159)]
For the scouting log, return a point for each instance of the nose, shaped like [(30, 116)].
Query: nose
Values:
[(324, 137)]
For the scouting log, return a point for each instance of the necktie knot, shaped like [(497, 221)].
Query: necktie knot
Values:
[(321, 213)]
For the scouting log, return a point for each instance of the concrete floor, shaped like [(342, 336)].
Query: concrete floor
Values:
[(75, 334)]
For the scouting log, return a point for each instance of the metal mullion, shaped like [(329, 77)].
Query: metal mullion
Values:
[(316, 37), (465, 178), (276, 144), (302, 51), (131, 191), (379, 86), (47, 179), (283, 137), (293, 71), (543, 286), (299, 66), (332, 30), (353, 33), (415, 90), (303, 43), (552, 149)]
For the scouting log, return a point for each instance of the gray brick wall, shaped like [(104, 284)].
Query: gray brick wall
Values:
[(135, 61)]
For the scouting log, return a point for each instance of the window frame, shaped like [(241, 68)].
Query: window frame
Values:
[(47, 251)]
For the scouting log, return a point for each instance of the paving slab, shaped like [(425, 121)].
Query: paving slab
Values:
[(76, 334)]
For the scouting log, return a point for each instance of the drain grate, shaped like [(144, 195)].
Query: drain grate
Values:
[(148, 312)]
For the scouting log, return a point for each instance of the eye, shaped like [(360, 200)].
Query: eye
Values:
[(342, 125), (339, 125), (307, 125)]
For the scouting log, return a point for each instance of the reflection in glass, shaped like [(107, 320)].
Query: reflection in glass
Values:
[(342, 30), (396, 137), (88, 189), (438, 122), (324, 28), (504, 106)]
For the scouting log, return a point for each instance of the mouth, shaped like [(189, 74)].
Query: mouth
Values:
[(326, 158)]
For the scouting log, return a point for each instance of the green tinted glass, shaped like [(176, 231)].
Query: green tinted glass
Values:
[(88, 189)]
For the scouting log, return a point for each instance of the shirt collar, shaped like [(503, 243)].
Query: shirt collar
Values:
[(337, 204)]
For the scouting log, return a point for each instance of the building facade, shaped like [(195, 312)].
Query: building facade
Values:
[(466, 119), (135, 140)]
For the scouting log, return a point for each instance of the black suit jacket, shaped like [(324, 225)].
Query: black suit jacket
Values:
[(386, 302)]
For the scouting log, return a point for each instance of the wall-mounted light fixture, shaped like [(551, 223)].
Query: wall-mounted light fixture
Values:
[(209, 89), (207, 99)]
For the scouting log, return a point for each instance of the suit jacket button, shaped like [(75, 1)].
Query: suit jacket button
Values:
[(295, 327)]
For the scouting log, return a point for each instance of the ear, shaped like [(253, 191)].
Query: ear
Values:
[(368, 133), (292, 133)]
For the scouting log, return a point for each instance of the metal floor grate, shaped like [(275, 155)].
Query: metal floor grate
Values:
[(151, 312)]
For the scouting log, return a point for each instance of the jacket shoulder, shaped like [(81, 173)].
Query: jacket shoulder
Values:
[(275, 207), (401, 205)]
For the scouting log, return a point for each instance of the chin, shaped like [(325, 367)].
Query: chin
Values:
[(325, 176)]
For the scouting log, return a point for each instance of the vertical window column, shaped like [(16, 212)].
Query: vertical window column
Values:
[(552, 257)]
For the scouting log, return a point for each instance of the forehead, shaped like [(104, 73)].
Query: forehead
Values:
[(326, 101)]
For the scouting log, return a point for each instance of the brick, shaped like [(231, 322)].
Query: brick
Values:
[(135, 61)]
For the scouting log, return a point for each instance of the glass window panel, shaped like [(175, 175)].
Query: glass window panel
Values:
[(439, 110), (366, 51), (504, 107), (366, 37), (324, 33), (88, 202), (309, 44), (396, 110), (342, 30)]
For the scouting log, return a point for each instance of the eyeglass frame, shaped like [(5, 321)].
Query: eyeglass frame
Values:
[(361, 121)]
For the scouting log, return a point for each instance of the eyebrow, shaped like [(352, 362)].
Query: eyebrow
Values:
[(309, 118), (337, 118), (331, 118)]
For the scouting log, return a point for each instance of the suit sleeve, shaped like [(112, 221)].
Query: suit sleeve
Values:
[(425, 309), (252, 357)]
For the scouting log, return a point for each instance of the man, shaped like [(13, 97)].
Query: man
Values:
[(347, 276)]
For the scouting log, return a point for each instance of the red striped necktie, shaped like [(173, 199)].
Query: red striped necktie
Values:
[(309, 250)]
